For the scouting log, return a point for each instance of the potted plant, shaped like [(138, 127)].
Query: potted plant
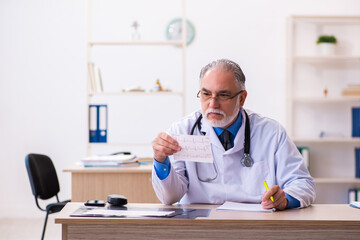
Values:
[(326, 44)]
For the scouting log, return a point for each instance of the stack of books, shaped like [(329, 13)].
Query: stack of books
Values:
[(120, 160), (96, 85), (352, 90)]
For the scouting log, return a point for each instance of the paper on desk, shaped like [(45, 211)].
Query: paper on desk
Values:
[(119, 158), (125, 213), (249, 207), (194, 148), (355, 204)]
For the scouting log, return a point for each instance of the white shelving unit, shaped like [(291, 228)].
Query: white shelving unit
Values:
[(146, 96), (322, 121), (136, 43), (337, 180)]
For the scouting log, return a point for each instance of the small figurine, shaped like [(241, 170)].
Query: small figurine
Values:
[(325, 92), (158, 86), (135, 35)]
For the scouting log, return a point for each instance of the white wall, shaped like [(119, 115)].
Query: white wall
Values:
[(43, 74)]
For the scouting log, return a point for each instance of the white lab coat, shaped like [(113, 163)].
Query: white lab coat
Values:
[(276, 160)]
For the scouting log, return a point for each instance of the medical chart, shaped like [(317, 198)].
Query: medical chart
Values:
[(355, 204), (194, 148), (247, 207)]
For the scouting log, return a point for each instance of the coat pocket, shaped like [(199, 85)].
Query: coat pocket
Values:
[(253, 179)]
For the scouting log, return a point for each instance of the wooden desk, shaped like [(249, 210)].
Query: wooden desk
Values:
[(320, 221), (97, 183)]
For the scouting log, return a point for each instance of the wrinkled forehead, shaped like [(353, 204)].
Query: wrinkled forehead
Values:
[(216, 80)]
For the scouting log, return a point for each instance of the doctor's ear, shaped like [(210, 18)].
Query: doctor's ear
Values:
[(242, 98)]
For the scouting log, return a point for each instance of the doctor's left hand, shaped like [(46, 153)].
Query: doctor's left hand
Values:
[(163, 146), (280, 201)]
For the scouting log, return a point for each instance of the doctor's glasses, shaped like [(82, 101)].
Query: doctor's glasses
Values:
[(220, 96)]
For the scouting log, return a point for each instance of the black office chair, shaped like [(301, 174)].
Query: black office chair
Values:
[(44, 183)]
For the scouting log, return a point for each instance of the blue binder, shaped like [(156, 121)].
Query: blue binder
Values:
[(357, 163), (356, 121), (93, 125), (98, 123), (102, 122)]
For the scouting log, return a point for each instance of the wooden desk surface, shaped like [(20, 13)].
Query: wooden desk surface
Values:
[(341, 214), (320, 221), (76, 168)]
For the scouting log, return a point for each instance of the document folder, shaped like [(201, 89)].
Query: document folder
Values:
[(98, 123), (93, 129), (355, 121), (102, 123)]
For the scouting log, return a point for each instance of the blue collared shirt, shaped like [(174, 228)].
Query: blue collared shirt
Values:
[(233, 129), (163, 169)]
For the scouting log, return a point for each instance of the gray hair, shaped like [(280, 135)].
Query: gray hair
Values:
[(226, 65)]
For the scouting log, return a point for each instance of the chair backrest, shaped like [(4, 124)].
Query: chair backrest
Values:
[(42, 176)]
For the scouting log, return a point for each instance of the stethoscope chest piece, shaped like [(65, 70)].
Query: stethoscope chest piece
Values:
[(247, 161)]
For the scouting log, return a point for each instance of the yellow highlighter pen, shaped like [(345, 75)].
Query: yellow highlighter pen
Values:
[(267, 189)]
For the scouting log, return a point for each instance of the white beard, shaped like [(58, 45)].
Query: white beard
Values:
[(226, 120)]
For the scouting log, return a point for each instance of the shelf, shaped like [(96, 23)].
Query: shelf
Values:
[(135, 43), (120, 144), (136, 93), (325, 100), (332, 20), (326, 58), (311, 114), (337, 180), (328, 140), (99, 52)]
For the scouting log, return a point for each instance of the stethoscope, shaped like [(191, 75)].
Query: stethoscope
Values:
[(246, 161)]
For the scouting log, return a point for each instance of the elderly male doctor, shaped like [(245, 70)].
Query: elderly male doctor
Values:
[(274, 156)]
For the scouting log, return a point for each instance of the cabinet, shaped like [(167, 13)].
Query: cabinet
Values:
[(134, 118), (318, 116), (98, 183)]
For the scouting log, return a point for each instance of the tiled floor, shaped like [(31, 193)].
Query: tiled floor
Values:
[(29, 229)]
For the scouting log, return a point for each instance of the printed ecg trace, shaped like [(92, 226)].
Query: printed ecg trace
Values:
[(194, 148)]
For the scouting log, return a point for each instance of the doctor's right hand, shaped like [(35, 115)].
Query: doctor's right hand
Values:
[(163, 146)]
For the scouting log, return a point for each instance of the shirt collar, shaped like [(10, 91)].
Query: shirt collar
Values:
[(233, 128)]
